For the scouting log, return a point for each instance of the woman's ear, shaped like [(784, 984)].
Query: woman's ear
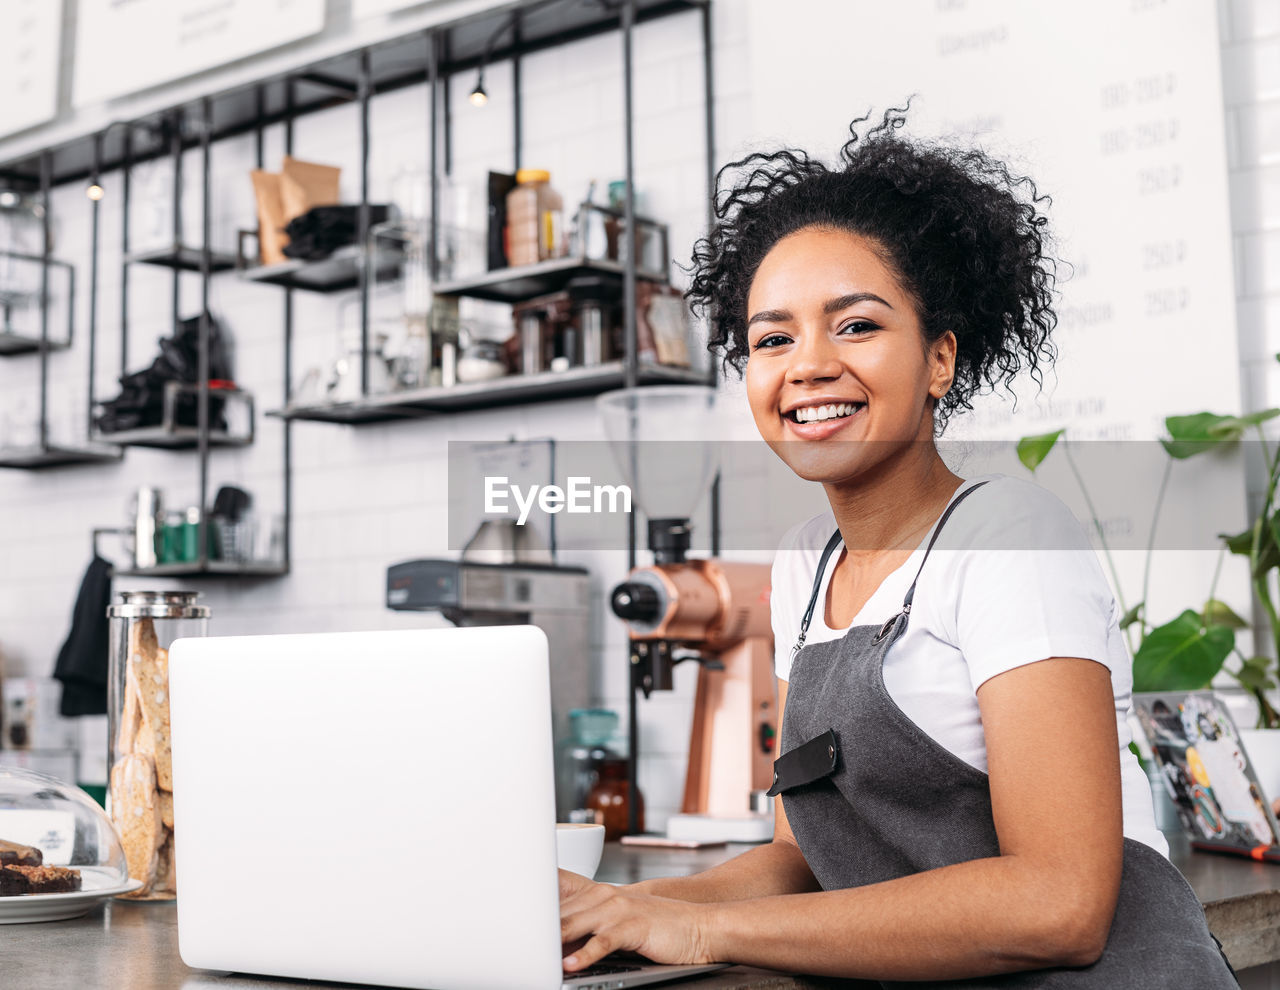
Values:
[(942, 357)]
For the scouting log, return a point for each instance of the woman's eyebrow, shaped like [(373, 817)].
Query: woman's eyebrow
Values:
[(829, 307), (835, 305), (770, 316)]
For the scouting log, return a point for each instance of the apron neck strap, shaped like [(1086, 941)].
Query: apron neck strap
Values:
[(835, 541), (827, 551), (937, 530)]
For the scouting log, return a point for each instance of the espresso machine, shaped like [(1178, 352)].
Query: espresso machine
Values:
[(504, 579), (710, 611)]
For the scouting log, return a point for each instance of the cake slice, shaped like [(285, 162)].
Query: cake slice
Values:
[(16, 880), (12, 854)]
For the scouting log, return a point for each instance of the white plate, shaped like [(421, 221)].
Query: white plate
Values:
[(59, 907)]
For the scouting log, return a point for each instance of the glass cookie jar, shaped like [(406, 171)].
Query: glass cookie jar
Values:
[(143, 624)]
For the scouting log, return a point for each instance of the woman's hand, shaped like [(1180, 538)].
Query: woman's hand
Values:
[(603, 919)]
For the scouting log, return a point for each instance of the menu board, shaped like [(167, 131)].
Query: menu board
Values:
[(1114, 107), (123, 46), (29, 63)]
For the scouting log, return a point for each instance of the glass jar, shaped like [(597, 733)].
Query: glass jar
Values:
[(21, 246), (143, 624)]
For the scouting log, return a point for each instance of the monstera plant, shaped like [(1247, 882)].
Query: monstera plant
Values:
[(1188, 651)]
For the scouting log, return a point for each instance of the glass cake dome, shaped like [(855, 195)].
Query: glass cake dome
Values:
[(46, 822)]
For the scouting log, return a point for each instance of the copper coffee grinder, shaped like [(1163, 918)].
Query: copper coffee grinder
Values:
[(711, 611)]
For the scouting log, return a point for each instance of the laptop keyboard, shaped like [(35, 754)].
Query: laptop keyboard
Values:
[(603, 969)]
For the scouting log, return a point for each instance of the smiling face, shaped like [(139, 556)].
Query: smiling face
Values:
[(839, 376)]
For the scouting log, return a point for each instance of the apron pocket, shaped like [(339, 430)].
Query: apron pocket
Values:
[(808, 762)]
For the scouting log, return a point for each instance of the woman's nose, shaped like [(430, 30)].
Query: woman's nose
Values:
[(814, 358)]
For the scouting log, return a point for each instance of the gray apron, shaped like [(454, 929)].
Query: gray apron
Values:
[(871, 797)]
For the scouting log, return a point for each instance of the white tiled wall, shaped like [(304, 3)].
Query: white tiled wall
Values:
[(369, 496)]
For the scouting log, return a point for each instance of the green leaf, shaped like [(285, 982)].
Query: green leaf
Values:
[(1033, 450), (1218, 613), (1241, 543), (1181, 655), (1191, 435), (1131, 616), (1268, 547), (1243, 422), (1255, 674)]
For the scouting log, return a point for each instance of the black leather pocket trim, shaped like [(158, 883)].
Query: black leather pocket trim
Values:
[(808, 762)]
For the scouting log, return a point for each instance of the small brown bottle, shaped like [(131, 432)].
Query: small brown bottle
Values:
[(610, 798)]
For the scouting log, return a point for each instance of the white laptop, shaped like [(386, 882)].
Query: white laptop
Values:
[(372, 808)]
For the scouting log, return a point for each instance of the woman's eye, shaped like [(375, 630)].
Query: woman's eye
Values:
[(858, 326), (771, 340)]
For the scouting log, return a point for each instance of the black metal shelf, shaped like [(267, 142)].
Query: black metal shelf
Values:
[(210, 568), (53, 455), (393, 64), (545, 386), (179, 257), (13, 344), (340, 272), (172, 438), (514, 285)]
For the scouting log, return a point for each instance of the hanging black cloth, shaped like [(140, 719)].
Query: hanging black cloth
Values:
[(82, 661)]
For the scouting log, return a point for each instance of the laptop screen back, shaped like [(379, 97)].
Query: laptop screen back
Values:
[(367, 807)]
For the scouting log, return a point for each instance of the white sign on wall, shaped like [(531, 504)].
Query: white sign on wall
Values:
[(1122, 126), (29, 63), (123, 46), (1115, 108)]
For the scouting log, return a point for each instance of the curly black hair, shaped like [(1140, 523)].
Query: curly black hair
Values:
[(965, 237)]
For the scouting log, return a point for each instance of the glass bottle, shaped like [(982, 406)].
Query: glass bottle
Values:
[(610, 798), (143, 624), (535, 218), (580, 759)]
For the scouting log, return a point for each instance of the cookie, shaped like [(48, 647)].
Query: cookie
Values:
[(131, 716), (135, 810), (151, 673)]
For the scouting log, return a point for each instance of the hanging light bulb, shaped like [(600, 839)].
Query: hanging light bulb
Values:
[(95, 192), (478, 96)]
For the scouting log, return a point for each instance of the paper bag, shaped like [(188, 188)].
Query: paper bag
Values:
[(306, 184), (271, 218)]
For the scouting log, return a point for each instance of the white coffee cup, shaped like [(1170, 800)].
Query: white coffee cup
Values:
[(579, 847)]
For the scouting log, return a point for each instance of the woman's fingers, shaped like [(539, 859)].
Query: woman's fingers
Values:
[(589, 912), (591, 953), (572, 884)]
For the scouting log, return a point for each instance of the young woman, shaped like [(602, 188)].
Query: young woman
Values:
[(956, 799)]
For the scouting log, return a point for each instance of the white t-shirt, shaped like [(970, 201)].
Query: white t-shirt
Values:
[(1011, 580)]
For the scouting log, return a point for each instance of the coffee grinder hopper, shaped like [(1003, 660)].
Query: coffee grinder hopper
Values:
[(709, 610), (663, 439)]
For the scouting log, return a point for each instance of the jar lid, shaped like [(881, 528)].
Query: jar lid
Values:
[(157, 605), (526, 175)]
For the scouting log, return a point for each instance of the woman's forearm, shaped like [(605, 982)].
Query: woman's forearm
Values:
[(976, 918), (765, 871)]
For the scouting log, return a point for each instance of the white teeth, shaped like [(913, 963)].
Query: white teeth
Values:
[(816, 414)]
